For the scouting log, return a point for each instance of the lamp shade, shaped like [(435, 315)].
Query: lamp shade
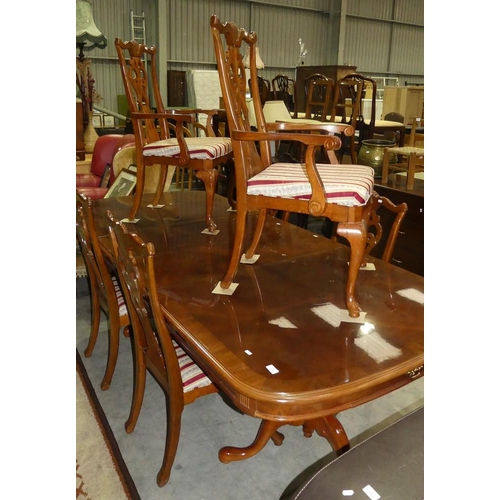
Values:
[(275, 111), (259, 64), (88, 36)]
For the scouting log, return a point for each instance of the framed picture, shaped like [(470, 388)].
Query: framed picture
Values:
[(97, 120), (124, 184), (105, 177), (109, 121)]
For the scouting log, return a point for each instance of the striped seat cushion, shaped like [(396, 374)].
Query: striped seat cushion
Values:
[(191, 374), (200, 148), (349, 185), (122, 308)]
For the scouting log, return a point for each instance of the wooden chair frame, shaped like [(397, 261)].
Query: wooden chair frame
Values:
[(152, 337), (346, 106), (151, 126), (248, 162), (102, 290), (281, 85)]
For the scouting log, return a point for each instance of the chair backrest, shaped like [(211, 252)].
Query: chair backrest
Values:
[(104, 150), (318, 89), (375, 233), (284, 89), (248, 161), (368, 84), (347, 100), (98, 271), (136, 79), (264, 89), (135, 265)]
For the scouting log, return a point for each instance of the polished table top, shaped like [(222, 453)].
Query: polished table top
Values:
[(277, 346)]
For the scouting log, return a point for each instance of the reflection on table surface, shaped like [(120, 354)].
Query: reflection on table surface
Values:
[(278, 346)]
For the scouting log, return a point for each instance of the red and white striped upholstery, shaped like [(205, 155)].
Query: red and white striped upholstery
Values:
[(201, 148), (191, 374), (348, 185), (122, 308)]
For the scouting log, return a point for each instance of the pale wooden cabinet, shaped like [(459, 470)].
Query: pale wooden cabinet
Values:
[(407, 101)]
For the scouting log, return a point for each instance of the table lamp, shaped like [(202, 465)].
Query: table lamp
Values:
[(88, 35)]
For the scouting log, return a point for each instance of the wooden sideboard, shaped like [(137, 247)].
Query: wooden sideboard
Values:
[(302, 72), (407, 101), (409, 249)]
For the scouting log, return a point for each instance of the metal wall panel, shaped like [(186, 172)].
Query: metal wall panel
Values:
[(382, 37)]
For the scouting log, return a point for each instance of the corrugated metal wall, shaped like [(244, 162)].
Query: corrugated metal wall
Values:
[(382, 38)]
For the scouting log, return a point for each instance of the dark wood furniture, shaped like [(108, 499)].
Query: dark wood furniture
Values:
[(105, 292), (391, 462), (80, 144), (278, 347), (346, 106), (284, 89), (370, 125), (409, 250), (264, 87), (331, 71), (341, 193), (319, 91), (154, 145), (176, 89)]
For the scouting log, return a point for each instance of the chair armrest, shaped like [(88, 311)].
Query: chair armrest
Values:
[(330, 128)]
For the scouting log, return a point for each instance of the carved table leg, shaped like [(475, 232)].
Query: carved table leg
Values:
[(331, 429), (267, 430)]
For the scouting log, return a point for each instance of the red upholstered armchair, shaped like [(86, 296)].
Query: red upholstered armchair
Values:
[(105, 149)]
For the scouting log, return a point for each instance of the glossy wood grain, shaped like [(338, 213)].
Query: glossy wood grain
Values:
[(272, 318)]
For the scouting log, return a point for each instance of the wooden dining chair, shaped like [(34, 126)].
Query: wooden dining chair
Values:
[(284, 89), (264, 87), (153, 140), (370, 125), (392, 218), (339, 192), (155, 350), (346, 106), (105, 291)]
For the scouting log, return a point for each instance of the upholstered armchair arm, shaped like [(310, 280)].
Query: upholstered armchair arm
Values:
[(318, 200)]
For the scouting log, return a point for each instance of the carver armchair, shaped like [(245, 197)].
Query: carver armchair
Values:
[(154, 142), (339, 192)]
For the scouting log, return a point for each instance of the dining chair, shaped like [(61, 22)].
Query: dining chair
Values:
[(368, 126), (155, 349), (264, 87), (339, 192), (284, 89), (317, 98), (409, 158), (154, 144), (346, 106), (105, 291)]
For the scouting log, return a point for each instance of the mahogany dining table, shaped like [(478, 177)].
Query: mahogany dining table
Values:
[(281, 348)]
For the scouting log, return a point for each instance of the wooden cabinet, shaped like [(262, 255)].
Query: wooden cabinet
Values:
[(176, 89), (333, 71), (409, 250), (407, 101), (80, 145)]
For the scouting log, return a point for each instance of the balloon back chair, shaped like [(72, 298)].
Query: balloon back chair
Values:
[(154, 144), (340, 192)]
